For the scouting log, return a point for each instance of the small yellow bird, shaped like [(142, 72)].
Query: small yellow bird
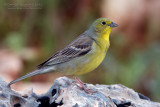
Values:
[(83, 55)]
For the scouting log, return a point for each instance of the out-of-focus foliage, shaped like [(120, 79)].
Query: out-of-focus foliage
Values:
[(35, 29)]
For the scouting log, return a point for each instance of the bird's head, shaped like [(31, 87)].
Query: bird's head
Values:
[(103, 26)]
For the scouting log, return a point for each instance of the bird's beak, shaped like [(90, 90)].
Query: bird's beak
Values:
[(113, 24)]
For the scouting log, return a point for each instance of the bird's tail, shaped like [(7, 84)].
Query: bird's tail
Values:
[(33, 73)]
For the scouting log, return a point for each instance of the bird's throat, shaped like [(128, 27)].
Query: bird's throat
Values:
[(106, 34)]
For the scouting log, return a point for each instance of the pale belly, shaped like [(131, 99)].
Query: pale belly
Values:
[(82, 65)]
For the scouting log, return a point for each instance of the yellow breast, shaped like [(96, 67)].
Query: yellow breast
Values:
[(94, 59)]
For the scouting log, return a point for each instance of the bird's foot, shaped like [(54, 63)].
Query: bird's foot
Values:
[(83, 87)]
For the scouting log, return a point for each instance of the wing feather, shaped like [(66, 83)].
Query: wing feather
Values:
[(81, 46)]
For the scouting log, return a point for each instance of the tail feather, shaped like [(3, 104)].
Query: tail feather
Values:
[(35, 72)]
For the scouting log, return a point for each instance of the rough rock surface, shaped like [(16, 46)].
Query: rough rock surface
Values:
[(66, 93)]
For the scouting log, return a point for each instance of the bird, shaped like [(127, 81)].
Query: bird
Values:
[(81, 56)]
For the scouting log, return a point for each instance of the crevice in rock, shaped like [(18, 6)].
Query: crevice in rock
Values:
[(126, 104), (54, 91), (17, 101), (54, 104), (17, 105), (44, 101)]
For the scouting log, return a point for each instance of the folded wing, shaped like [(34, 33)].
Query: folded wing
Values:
[(81, 46)]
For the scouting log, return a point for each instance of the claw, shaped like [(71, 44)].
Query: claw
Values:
[(83, 87)]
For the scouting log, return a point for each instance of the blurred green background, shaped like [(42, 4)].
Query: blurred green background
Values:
[(33, 30)]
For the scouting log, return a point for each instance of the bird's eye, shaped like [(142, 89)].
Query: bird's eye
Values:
[(103, 23)]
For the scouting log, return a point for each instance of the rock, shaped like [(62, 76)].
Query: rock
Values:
[(66, 93)]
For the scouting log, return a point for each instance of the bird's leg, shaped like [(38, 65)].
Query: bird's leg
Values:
[(82, 86)]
